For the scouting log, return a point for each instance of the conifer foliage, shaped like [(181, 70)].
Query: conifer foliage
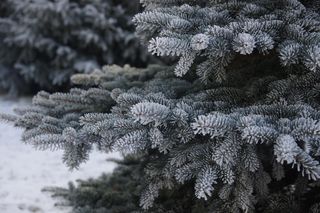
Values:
[(44, 42), (235, 123)]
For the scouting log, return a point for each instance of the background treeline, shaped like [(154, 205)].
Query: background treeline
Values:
[(44, 42)]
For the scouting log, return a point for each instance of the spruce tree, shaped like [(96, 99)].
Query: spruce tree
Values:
[(44, 42), (233, 126)]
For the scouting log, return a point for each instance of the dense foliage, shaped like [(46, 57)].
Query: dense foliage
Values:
[(44, 42), (233, 127), (116, 193)]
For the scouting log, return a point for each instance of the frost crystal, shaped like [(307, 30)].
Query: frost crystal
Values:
[(312, 60), (148, 112), (285, 149), (244, 43), (200, 42)]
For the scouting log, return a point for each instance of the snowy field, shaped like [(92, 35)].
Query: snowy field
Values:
[(25, 171)]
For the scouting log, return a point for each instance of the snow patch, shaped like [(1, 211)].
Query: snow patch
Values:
[(24, 171)]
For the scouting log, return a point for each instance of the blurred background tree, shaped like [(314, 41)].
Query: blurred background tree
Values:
[(44, 42)]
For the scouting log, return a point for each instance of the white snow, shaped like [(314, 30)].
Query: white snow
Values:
[(24, 171)]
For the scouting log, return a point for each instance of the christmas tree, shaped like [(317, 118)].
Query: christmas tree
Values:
[(233, 126)]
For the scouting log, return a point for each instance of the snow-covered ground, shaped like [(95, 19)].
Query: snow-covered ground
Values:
[(25, 171)]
